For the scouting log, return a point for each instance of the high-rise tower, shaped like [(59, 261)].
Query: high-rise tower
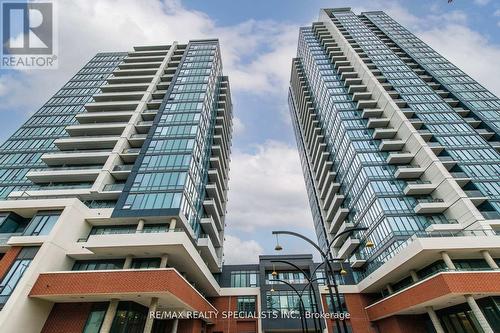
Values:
[(395, 138), (114, 194)]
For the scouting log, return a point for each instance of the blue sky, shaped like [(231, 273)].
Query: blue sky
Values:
[(258, 40)]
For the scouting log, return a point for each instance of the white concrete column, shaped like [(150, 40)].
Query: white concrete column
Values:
[(128, 262), (478, 314), (140, 226), (414, 275), (109, 316), (173, 223), (164, 261), (175, 324), (491, 262), (435, 320), (447, 260), (148, 326), (389, 289)]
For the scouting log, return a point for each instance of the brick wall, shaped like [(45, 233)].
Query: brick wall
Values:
[(358, 321), (8, 259), (230, 325), (437, 286), (402, 324), (118, 282), (67, 318)]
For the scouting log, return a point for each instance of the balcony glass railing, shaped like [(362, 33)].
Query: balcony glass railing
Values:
[(123, 167), (418, 181), (138, 136), (132, 231), (62, 168), (78, 151), (131, 150), (443, 270), (405, 238), (113, 187), (474, 193), (429, 200)]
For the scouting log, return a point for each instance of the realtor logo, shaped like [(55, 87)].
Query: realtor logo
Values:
[(28, 35)]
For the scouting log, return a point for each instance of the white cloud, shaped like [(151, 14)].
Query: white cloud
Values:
[(468, 49), (239, 251), (481, 2), (267, 189), (256, 54), (238, 126)]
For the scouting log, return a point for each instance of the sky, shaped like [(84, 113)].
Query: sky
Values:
[(258, 39)]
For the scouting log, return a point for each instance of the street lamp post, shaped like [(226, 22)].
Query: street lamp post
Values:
[(329, 273), (302, 308), (310, 281)]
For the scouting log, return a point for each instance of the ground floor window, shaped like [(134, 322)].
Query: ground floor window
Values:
[(95, 318), (130, 318)]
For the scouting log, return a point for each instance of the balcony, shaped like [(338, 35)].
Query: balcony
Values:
[(440, 290), (419, 187), (149, 115), (142, 127), (356, 88), (486, 134), (76, 157), (451, 101), (348, 75), (360, 96), (79, 174), (140, 64), (349, 246), (111, 106), (344, 69), (134, 72), (377, 122), (461, 178), (329, 190), (447, 161), (391, 145), (436, 147), (212, 229), (367, 104), (137, 140), (384, 133), (338, 219), (130, 79), (208, 253), (400, 158), (476, 196), (96, 129), (213, 193), (137, 285), (357, 261), (86, 142), (333, 206), (129, 155), (372, 113), (425, 134), (122, 171), (118, 96), (116, 187), (341, 239), (352, 81), (108, 88), (103, 117), (211, 208), (431, 206), (473, 122)]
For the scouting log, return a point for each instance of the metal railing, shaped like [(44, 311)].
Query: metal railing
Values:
[(113, 187), (130, 232)]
